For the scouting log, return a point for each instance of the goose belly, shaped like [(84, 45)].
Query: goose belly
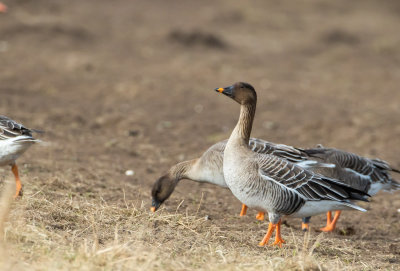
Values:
[(11, 150), (235, 180), (311, 208), (262, 195)]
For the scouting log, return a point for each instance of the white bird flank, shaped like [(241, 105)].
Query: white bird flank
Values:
[(12, 148)]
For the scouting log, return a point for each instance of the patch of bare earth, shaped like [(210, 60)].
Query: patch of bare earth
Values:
[(128, 85)]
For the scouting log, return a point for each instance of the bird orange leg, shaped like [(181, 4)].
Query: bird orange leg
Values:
[(244, 210), (278, 238), (3, 8), (260, 216), (271, 229), (305, 226), (329, 217), (18, 185), (328, 221), (332, 225)]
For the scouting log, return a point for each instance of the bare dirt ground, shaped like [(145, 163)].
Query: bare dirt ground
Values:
[(128, 85)]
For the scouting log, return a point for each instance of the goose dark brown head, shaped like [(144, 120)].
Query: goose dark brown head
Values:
[(241, 92), (161, 190)]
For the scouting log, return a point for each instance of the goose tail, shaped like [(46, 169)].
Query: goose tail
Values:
[(395, 170), (354, 206), (394, 186)]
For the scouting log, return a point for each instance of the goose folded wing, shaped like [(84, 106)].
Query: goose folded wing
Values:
[(359, 167), (11, 129), (307, 184), (373, 169), (283, 151)]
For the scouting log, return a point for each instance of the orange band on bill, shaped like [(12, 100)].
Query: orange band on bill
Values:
[(220, 90), (153, 209)]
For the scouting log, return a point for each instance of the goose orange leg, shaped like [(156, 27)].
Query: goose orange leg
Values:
[(271, 229), (244, 210), (3, 8), (260, 216), (18, 184), (331, 224), (305, 226), (278, 238), (328, 220), (305, 223)]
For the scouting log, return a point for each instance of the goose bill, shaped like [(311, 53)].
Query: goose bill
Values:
[(228, 91)]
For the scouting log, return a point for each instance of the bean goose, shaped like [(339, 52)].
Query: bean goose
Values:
[(208, 169), (367, 175), (15, 139), (271, 184)]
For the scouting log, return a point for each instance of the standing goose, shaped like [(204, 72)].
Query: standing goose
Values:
[(15, 139), (271, 184), (208, 169), (367, 175)]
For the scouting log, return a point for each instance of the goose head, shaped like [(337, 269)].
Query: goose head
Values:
[(241, 92), (161, 190)]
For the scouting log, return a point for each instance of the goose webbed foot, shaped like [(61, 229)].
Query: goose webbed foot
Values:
[(278, 238), (331, 224), (260, 216), (244, 210)]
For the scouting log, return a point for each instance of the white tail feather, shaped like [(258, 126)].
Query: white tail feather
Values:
[(354, 206)]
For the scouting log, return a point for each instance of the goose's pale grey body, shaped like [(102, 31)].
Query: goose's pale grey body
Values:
[(280, 187)]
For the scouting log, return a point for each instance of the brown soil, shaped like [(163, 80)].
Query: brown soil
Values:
[(128, 85)]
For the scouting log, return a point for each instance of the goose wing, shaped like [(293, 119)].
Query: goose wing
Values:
[(284, 151), (305, 183), (373, 170), (11, 129)]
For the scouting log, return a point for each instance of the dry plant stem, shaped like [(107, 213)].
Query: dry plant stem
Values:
[(6, 200), (201, 200)]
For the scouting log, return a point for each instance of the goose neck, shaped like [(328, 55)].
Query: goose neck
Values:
[(182, 170), (244, 125)]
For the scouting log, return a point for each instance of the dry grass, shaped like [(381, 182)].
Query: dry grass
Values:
[(63, 230)]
